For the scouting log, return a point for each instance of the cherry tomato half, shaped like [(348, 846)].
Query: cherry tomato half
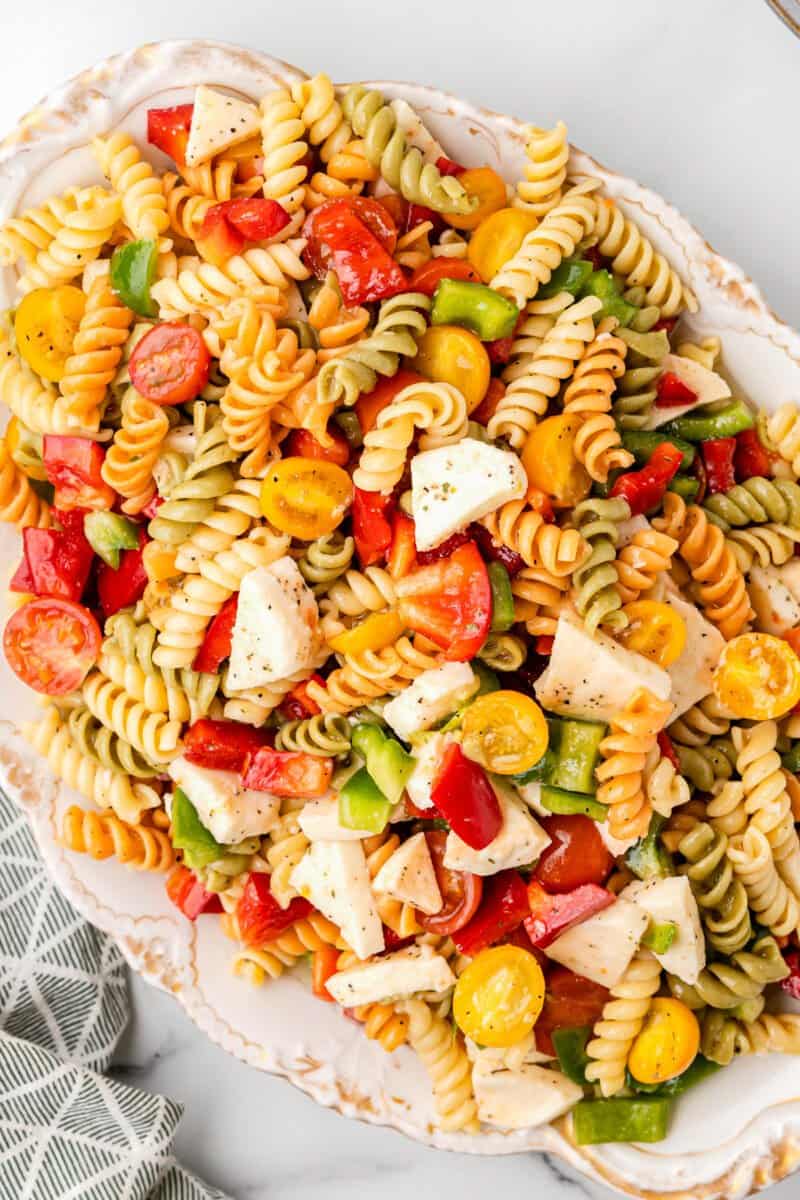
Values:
[(505, 732), (758, 677), (306, 497), (668, 1043), (576, 855), (45, 325), (50, 645), (655, 630), (461, 891), (499, 996), (170, 364)]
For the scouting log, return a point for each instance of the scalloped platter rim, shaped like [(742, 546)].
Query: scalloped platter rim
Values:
[(753, 1137)]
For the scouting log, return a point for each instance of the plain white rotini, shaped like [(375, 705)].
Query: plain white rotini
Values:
[(442, 1054), (770, 899), (622, 1020), (34, 229), (79, 240), (636, 261), (144, 208), (437, 408), (284, 145), (767, 801), (547, 151)]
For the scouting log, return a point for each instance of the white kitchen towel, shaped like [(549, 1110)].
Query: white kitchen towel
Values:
[(66, 1131)]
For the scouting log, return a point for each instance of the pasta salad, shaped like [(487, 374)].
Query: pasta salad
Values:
[(402, 581)]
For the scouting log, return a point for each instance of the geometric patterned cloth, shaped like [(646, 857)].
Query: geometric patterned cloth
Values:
[(66, 1132)]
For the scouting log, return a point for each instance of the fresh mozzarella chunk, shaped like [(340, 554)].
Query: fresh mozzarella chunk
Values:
[(601, 948), (627, 530), (592, 676), (409, 876), (693, 671), (614, 845), (455, 485), (790, 575), (229, 812), (416, 134), (430, 698), (417, 969), (334, 877), (276, 632), (707, 386), (218, 121), (531, 793), (428, 752), (319, 821), (520, 841), (673, 900), (775, 604), (525, 1098), (500, 1058)]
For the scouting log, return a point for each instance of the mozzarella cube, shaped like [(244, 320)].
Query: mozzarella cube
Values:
[(319, 821), (409, 876), (531, 794), (520, 841), (591, 676), (707, 385), (276, 632), (416, 969), (218, 121), (499, 1058), (433, 695), (692, 672), (776, 607), (601, 948), (524, 1098), (452, 486), (428, 754), (335, 878), (673, 900), (229, 812)]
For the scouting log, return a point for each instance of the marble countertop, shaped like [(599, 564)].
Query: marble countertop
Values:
[(698, 98)]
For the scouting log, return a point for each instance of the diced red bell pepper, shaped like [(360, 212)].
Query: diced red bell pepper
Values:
[(188, 894), (552, 915), (750, 458), (450, 602), (217, 239), (699, 473), (672, 392), (56, 562), (667, 324), (403, 552), (444, 549), (260, 917), (668, 750), (216, 645), (222, 745), (371, 515), (488, 405), (503, 906), (544, 644), (496, 551), (791, 985), (22, 580), (73, 466), (298, 704), (464, 796), (340, 239), (123, 587), (426, 278), (418, 214), (645, 489), (152, 508), (302, 444), (323, 965), (168, 129), (288, 773), (257, 218), (448, 166), (718, 461), (394, 941)]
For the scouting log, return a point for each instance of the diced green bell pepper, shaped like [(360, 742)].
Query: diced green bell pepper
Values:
[(348, 422), (569, 276), (603, 285), (649, 858), (733, 419), (108, 533), (647, 347), (190, 835), (684, 485), (133, 269), (474, 306), (362, 805), (387, 763), (578, 752), (544, 769), (702, 1068), (642, 443), (568, 804), (638, 1119), (659, 936), (502, 598), (791, 759), (570, 1046)]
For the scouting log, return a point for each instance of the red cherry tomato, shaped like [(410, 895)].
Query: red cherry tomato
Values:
[(355, 237), (303, 444), (576, 855), (377, 220), (461, 891), (170, 364), (50, 645), (73, 466), (426, 278), (570, 1002)]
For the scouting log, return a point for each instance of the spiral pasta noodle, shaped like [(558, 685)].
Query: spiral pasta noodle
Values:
[(763, 545), (366, 676), (106, 747), (538, 596), (547, 151), (259, 963), (144, 208), (253, 705), (444, 1058), (636, 261), (532, 327), (636, 389), (383, 1024), (325, 560), (622, 1021), (632, 734), (194, 497), (733, 981), (595, 581), (706, 765), (326, 735), (766, 799), (437, 408), (783, 433), (19, 503), (336, 326), (770, 899), (129, 461), (287, 845), (202, 289), (724, 1036), (103, 835), (588, 395), (24, 236), (232, 517), (538, 543), (152, 734), (96, 354), (720, 895), (400, 916), (646, 556), (358, 592), (755, 502), (80, 238), (665, 787), (503, 652), (699, 724), (37, 405), (284, 145)]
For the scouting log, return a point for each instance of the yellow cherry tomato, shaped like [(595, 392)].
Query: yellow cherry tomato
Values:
[(490, 189), (549, 459), (758, 677), (25, 447), (655, 630), (499, 996), (306, 497), (668, 1044), (497, 239), (450, 354), (377, 631), (505, 732), (45, 325)]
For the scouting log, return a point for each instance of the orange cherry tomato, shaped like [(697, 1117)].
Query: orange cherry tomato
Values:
[(450, 354), (375, 632), (667, 1045), (306, 497), (505, 732), (50, 645), (499, 997), (490, 189), (497, 239), (655, 630), (45, 325), (758, 677), (549, 459)]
